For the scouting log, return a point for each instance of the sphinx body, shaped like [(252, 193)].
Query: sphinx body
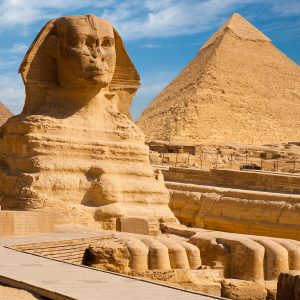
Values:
[(73, 150)]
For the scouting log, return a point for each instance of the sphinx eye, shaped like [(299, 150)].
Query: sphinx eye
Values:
[(107, 42), (78, 41), (82, 41)]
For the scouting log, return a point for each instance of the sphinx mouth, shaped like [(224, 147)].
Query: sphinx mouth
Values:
[(96, 70)]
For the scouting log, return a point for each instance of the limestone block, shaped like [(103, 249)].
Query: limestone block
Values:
[(259, 214), (210, 250), (205, 281), (243, 290), (276, 258), (290, 214), (245, 257), (178, 200), (177, 254), (138, 255), (293, 252), (158, 254), (208, 202), (25, 223), (193, 254), (112, 255), (133, 225), (241, 257), (143, 253)]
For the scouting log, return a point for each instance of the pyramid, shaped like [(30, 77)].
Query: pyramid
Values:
[(5, 113), (238, 89)]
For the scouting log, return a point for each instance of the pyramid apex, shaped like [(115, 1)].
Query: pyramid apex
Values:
[(241, 28)]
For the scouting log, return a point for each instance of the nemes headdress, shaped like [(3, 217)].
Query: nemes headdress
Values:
[(39, 71)]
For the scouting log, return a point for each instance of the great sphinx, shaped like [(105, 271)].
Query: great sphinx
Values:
[(73, 149)]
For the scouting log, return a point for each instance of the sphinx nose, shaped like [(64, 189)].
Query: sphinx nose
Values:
[(97, 53), (94, 53)]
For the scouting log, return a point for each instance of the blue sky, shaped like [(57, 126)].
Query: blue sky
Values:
[(161, 36)]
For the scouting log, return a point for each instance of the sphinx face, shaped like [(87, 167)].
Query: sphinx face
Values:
[(86, 55)]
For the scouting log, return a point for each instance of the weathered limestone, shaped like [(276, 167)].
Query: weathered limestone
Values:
[(133, 225), (276, 257), (5, 113), (241, 257), (25, 222), (73, 150), (256, 181), (238, 89), (207, 261), (112, 256), (243, 290), (125, 253), (244, 257), (240, 211)]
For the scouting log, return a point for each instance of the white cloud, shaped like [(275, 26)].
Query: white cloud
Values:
[(170, 18), (18, 48), (287, 8), (12, 92), (136, 18), (150, 45), (24, 12), (8, 63)]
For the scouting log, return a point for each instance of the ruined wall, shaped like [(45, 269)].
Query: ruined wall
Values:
[(247, 212), (235, 179), (25, 222)]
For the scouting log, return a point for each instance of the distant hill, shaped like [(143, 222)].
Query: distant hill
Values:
[(5, 113)]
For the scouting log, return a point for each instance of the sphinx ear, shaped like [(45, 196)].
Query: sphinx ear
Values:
[(52, 45)]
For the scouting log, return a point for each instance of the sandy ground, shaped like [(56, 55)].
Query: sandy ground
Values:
[(9, 293)]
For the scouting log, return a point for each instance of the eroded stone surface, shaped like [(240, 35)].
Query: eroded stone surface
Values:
[(226, 94), (111, 255), (270, 214), (243, 290), (244, 257), (73, 150), (133, 225), (172, 261), (5, 113)]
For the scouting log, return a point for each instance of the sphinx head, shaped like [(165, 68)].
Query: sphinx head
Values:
[(77, 53), (84, 50)]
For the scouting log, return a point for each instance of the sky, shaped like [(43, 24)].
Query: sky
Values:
[(161, 36)]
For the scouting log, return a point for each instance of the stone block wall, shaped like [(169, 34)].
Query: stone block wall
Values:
[(26, 222), (247, 212), (261, 181)]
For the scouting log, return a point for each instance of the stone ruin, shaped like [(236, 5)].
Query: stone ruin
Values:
[(5, 113), (73, 149), (239, 88)]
